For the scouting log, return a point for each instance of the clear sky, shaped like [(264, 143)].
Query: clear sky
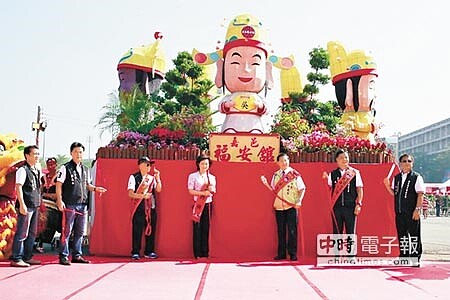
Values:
[(63, 55)]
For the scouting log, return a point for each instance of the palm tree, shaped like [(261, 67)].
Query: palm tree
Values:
[(62, 159), (109, 120), (125, 111)]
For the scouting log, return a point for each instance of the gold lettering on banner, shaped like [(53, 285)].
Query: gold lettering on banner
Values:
[(244, 147)]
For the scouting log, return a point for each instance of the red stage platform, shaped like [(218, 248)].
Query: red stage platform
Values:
[(243, 223)]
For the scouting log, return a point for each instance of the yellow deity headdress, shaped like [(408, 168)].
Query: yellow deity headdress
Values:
[(150, 58), (345, 65)]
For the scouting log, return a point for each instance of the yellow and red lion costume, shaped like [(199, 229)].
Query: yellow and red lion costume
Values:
[(11, 158)]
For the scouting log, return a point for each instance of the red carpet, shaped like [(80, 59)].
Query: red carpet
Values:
[(121, 278)]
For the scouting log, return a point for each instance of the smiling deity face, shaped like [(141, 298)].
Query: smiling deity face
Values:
[(245, 69)]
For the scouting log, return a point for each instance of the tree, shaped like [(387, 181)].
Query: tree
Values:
[(133, 111), (177, 113), (186, 99), (305, 103), (109, 120), (186, 87), (433, 167)]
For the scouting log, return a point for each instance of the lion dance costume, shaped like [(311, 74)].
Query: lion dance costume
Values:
[(11, 158)]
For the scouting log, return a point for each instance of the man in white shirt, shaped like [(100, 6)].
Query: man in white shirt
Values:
[(144, 207), (72, 186), (288, 185), (407, 188), (28, 184), (347, 193)]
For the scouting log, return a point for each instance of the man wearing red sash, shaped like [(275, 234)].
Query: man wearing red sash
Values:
[(201, 185), (346, 194), (141, 189), (289, 188)]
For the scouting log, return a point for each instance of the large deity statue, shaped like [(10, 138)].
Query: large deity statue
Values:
[(244, 68), (142, 66), (354, 75)]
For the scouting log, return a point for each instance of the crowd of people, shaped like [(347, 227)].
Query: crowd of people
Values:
[(436, 204), (65, 192)]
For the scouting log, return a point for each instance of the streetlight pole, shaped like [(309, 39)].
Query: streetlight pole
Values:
[(89, 140), (38, 125)]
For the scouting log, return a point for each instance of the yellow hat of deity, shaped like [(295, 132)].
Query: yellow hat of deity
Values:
[(150, 58), (245, 30), (345, 65)]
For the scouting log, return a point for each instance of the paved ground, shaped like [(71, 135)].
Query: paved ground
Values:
[(436, 238), (120, 278), (109, 278)]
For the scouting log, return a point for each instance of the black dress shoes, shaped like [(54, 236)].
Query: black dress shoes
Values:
[(79, 260), (278, 257), (64, 261)]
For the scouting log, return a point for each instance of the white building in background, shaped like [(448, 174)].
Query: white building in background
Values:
[(431, 139), (392, 143)]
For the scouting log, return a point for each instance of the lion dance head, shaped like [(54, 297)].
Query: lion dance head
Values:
[(11, 157)]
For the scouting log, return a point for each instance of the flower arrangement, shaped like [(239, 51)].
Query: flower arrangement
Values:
[(186, 127), (290, 124), (160, 143), (132, 139), (324, 144), (168, 126)]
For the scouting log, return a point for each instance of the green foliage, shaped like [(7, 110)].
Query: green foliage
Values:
[(180, 110), (290, 124), (170, 107), (318, 78), (329, 114), (109, 120), (195, 127), (62, 159), (186, 87), (135, 111), (433, 167), (318, 59), (306, 105)]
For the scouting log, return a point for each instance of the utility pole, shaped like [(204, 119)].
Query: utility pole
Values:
[(89, 140), (38, 125)]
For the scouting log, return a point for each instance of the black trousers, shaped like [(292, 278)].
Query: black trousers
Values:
[(201, 233), (408, 233), (287, 219), (139, 224), (343, 216)]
